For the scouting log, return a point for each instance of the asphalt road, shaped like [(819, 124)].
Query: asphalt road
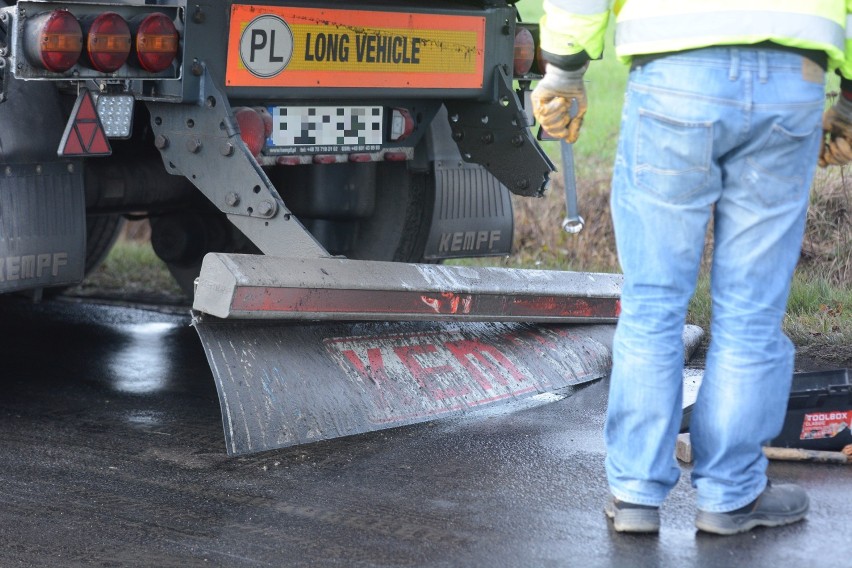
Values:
[(113, 455)]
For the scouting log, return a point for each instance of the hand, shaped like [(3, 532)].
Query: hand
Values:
[(551, 102), (837, 125)]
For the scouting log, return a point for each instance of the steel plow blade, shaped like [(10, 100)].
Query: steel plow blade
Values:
[(282, 384)]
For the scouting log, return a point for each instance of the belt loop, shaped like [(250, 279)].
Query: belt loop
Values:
[(735, 65), (762, 66)]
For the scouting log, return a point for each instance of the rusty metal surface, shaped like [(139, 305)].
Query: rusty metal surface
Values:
[(269, 287), (282, 384)]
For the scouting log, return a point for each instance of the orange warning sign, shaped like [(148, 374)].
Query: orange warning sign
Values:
[(271, 46), (84, 135)]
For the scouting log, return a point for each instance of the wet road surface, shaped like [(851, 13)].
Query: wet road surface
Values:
[(113, 455)]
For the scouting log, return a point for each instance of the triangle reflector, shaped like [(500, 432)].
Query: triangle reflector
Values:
[(84, 134)]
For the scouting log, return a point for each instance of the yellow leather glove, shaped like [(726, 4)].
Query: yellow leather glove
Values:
[(551, 102), (837, 125)]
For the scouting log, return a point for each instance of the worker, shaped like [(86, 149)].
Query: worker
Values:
[(721, 124)]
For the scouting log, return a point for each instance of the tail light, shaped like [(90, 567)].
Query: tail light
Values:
[(156, 42), (54, 40), (267, 119), (524, 51), (252, 129), (107, 42)]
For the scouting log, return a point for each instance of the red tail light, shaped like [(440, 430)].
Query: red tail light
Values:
[(252, 129), (54, 40), (108, 42), (524, 51), (156, 42)]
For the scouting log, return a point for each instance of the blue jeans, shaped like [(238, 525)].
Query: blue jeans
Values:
[(729, 135)]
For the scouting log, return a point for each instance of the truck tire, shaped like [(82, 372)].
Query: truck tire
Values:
[(399, 227), (101, 233)]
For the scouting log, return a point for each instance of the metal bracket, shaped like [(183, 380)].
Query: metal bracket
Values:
[(496, 134), (202, 142)]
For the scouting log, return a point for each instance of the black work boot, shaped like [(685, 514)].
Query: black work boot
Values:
[(777, 505), (629, 517)]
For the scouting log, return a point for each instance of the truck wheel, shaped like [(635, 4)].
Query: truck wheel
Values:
[(101, 233), (399, 228)]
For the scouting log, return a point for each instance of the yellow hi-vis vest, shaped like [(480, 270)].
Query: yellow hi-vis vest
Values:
[(663, 26)]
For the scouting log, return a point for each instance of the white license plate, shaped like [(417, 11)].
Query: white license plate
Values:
[(327, 126)]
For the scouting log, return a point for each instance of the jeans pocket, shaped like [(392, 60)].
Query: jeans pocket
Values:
[(776, 173), (672, 156)]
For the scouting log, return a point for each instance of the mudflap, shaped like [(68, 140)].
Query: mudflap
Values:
[(287, 383)]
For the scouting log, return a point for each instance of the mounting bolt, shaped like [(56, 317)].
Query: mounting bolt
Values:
[(199, 16), (197, 68), (458, 135), (226, 149), (518, 140), (265, 208), (232, 199), (193, 145), (522, 183), (161, 142), (487, 138)]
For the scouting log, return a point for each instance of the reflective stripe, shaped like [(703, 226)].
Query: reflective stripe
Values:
[(582, 7), (745, 24)]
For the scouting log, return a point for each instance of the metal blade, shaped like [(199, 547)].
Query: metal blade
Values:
[(282, 384), (267, 287)]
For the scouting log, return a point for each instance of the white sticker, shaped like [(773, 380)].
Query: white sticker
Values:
[(266, 46)]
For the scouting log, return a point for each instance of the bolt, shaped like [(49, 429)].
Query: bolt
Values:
[(458, 135), (197, 68), (226, 149), (265, 208), (487, 138), (70, 168), (199, 16), (39, 169), (232, 199), (518, 140), (4, 51), (8, 171), (161, 142), (193, 145), (522, 184)]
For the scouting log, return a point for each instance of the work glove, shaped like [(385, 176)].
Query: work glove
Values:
[(837, 125), (551, 102)]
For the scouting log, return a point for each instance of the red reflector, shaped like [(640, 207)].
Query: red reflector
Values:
[(360, 157), (108, 42), (252, 129), (524, 51), (156, 42), (288, 161), (325, 159), (402, 125), (54, 40), (267, 119), (84, 135), (396, 156)]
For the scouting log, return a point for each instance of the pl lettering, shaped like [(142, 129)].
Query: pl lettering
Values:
[(259, 40)]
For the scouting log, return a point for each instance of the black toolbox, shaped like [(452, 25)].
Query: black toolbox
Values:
[(818, 412)]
